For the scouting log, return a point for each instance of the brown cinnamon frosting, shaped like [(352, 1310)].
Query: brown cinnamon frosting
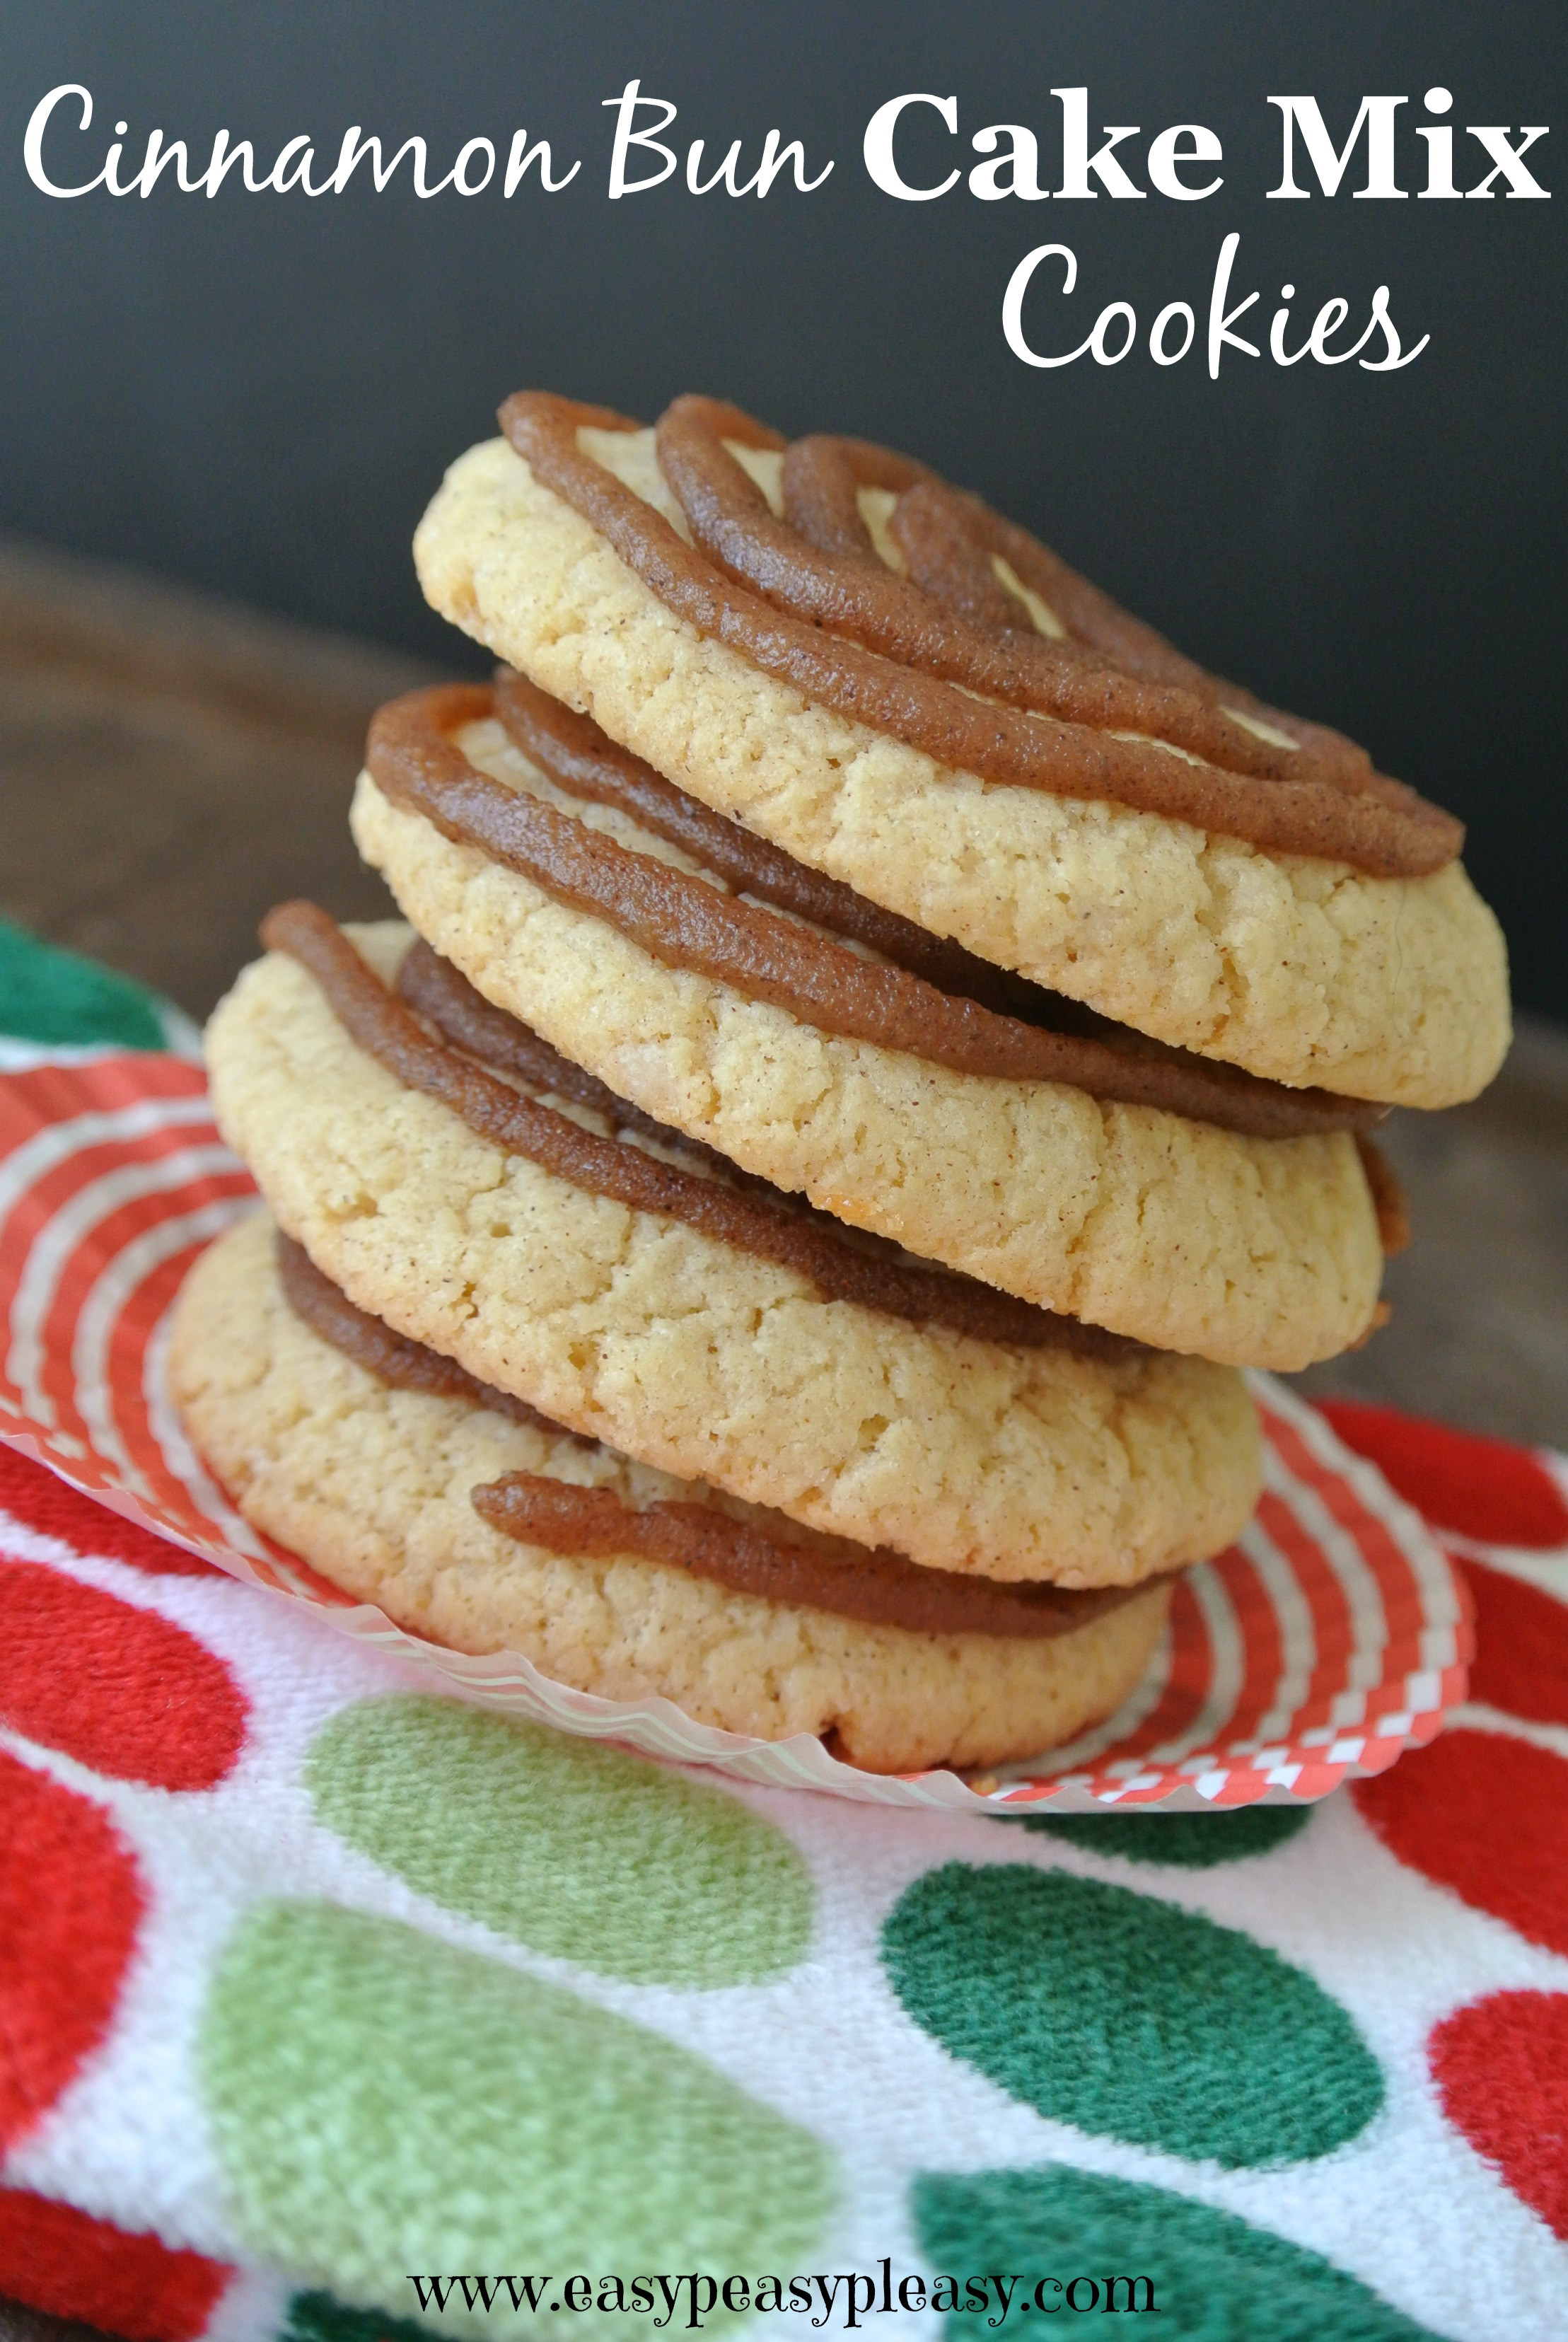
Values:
[(753, 1219), (390, 1357), (947, 658), (1389, 1201), (878, 1587), (683, 922), (444, 996), (586, 763)]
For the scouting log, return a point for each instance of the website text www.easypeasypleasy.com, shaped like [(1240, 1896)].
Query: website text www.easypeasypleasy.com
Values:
[(842, 2298)]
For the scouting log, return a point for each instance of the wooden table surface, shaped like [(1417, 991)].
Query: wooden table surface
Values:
[(170, 766)]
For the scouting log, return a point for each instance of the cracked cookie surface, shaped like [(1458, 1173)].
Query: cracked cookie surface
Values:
[(709, 1362), (1250, 1251), (1301, 971), (372, 1486)]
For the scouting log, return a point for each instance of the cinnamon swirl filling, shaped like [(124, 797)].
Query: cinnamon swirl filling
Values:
[(761, 1555), (982, 649), (776, 932)]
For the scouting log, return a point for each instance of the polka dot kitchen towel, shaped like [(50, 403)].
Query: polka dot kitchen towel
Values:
[(330, 2002)]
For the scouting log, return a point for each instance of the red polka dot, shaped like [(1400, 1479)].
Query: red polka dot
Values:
[(40, 1499), (57, 2259), (1480, 1488), (1521, 1660), (1501, 2067), (1486, 1816), (69, 1905), (123, 1690)]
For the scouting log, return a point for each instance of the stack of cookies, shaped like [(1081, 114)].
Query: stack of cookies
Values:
[(879, 1041)]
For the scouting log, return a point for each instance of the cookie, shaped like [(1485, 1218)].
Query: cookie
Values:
[(1248, 1249), (1355, 956), (374, 1486), (797, 1368)]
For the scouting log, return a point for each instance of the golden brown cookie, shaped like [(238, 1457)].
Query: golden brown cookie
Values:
[(1252, 1251), (1013, 1458), (373, 1484), (1301, 967)]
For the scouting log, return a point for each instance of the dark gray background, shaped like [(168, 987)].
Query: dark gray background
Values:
[(258, 394)]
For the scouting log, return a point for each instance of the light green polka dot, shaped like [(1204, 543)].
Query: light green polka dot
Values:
[(1121, 2014), (1190, 1841), (382, 2102), (1213, 2277), (569, 1847)]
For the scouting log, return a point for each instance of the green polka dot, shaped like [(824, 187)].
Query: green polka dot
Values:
[(57, 998), (318, 2317), (1121, 2014), (1191, 1841), (1216, 2278), (569, 1847), (382, 2102)]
